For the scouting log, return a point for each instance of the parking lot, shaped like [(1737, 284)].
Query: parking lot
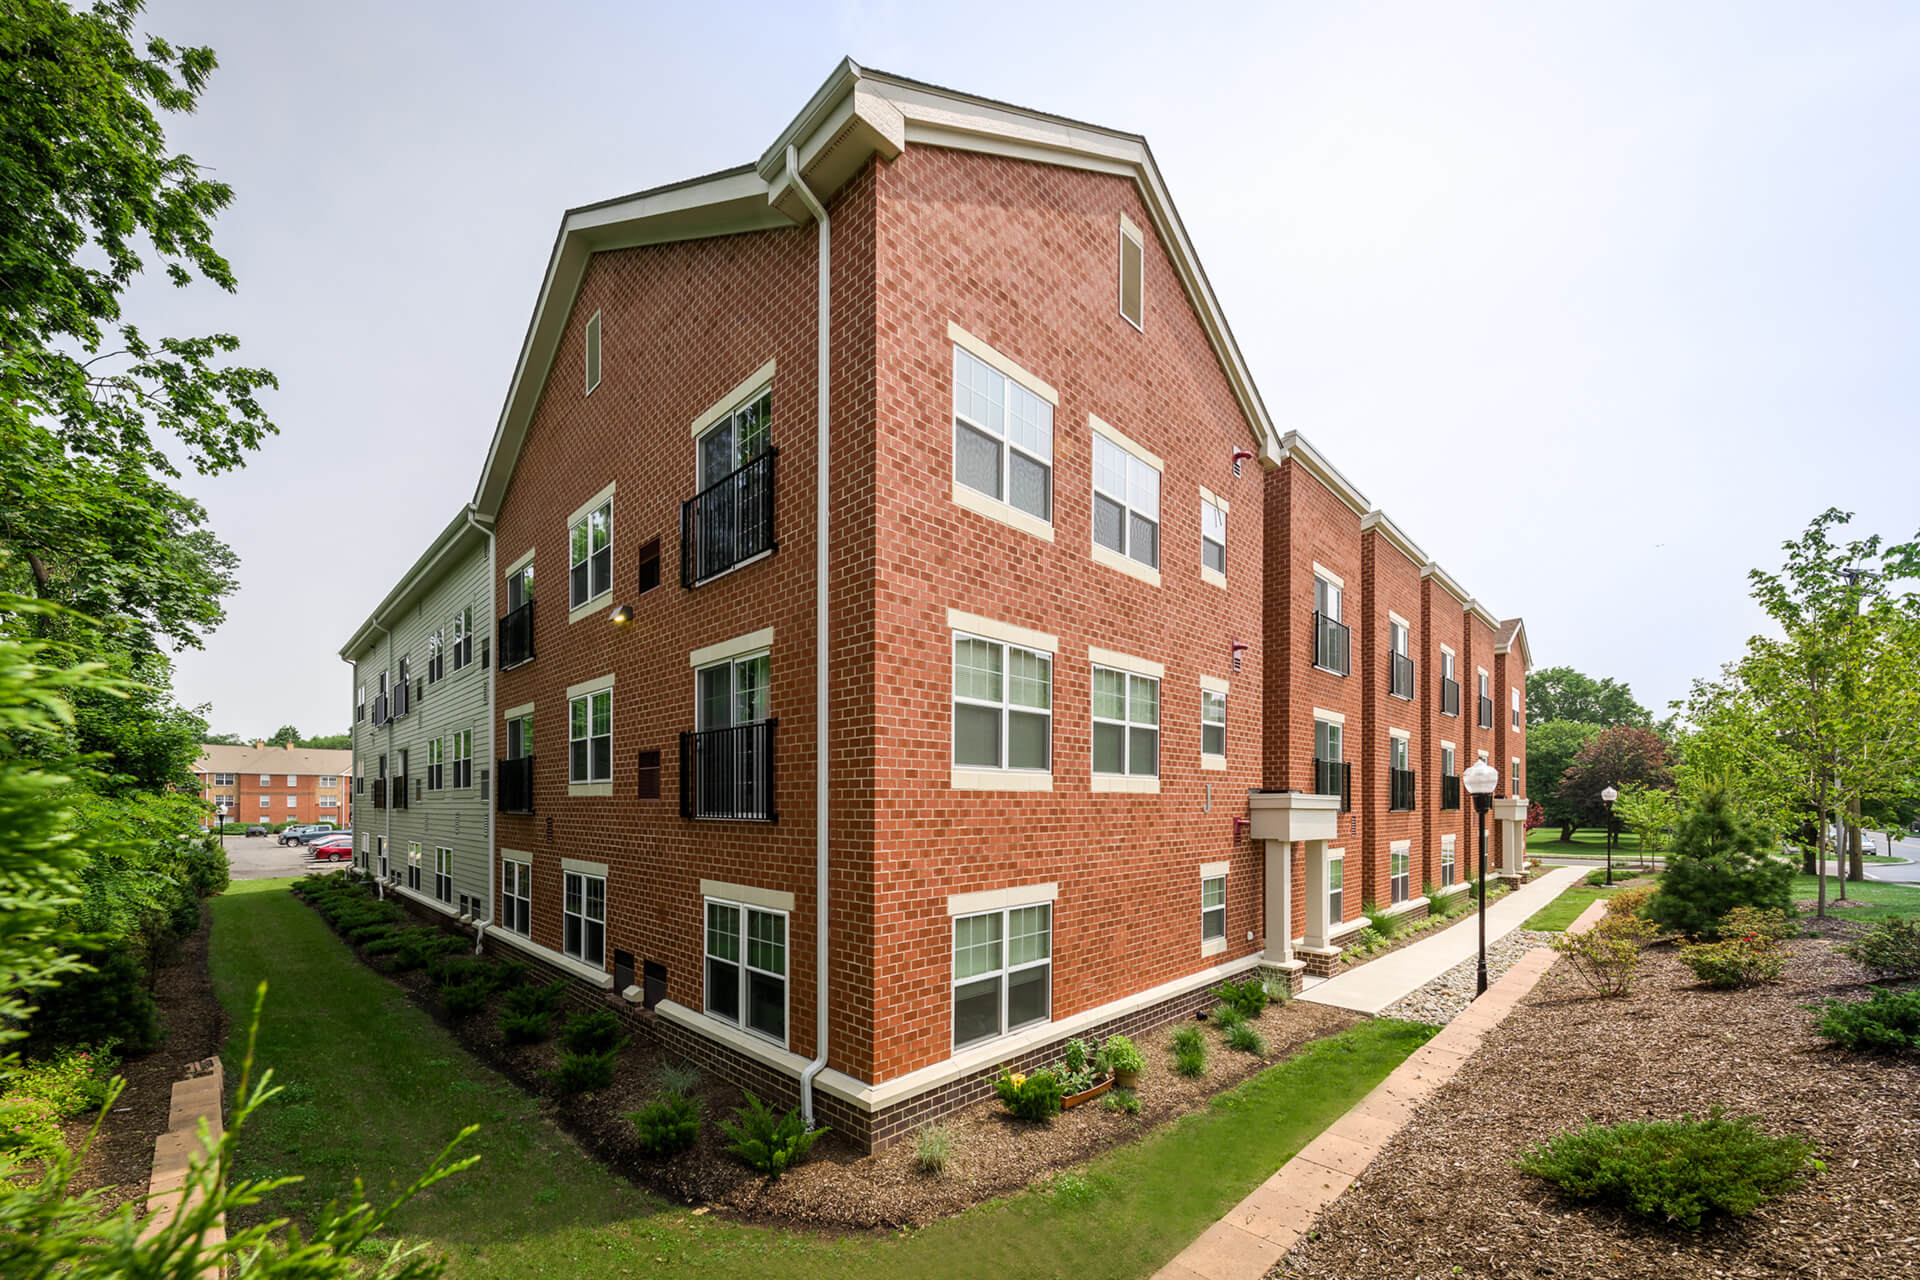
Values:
[(262, 858)]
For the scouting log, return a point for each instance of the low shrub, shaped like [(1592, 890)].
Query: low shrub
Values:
[(591, 1032), (666, 1126), (390, 943), (1034, 1096), (461, 969), (1887, 1022), (1189, 1051), (1378, 920), (1279, 989), (74, 1082), (1226, 1017), (1597, 877), (1630, 902), (107, 1003), (541, 1000), (466, 999), (29, 1127), (1735, 962), (1248, 997), (1122, 1101), (1891, 949), (1606, 956), (584, 1072), (524, 1028), (365, 933), (1673, 1171), (1754, 922), (767, 1143), (1123, 1055), (933, 1146), (1075, 1056), (1245, 1039)]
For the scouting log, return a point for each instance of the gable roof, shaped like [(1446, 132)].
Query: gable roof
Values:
[(245, 757), (856, 115), (1514, 631)]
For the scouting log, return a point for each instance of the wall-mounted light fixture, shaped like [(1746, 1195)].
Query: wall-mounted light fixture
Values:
[(622, 616)]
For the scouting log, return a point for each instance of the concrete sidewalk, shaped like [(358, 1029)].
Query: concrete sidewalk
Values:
[(1377, 984)]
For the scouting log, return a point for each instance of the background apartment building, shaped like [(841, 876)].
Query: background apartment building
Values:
[(998, 597), (259, 783)]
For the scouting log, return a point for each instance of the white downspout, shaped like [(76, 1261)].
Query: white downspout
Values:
[(386, 840), (493, 668), (821, 914)]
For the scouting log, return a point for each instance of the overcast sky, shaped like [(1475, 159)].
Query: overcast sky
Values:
[(1600, 303)]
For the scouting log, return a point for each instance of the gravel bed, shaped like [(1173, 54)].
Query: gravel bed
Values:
[(1443, 1199), (1447, 996)]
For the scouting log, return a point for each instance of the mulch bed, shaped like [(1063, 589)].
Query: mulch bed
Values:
[(195, 1027), (1443, 1199), (839, 1188)]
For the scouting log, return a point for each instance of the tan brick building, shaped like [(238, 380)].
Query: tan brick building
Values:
[(269, 784), (989, 552)]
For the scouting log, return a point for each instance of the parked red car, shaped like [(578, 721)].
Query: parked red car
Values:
[(335, 848)]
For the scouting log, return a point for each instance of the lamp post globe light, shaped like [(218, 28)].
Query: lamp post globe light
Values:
[(1607, 796), (1479, 781)]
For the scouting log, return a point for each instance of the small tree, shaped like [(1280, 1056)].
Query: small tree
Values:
[(1721, 859), (1650, 814)]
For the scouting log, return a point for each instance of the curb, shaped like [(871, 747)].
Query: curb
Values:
[(196, 1098), (1258, 1232)]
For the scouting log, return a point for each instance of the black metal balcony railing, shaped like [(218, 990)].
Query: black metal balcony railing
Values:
[(380, 715), (398, 791), (1400, 790), (1401, 685), (1450, 791), (728, 522), (515, 794), (728, 773), (1486, 713), (1449, 696), (379, 793), (1332, 644), (1334, 778), (516, 636)]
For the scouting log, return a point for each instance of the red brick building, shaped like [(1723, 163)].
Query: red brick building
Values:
[(911, 474), (270, 785)]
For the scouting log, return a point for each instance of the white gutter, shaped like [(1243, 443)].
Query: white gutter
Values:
[(820, 744), (493, 670)]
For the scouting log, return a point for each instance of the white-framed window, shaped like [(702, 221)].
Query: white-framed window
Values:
[(1447, 865), (443, 875), (1002, 437), (1482, 676), (266, 802), (1336, 886), (1132, 275), (293, 779), (329, 802), (1447, 661), (463, 758), (360, 704), (380, 845), (1213, 908), (1446, 762), (413, 865), (1513, 776), (590, 737), (1327, 597), (329, 779), (223, 780), (733, 692), (1002, 972), (593, 352), (463, 637), (583, 917), (520, 586), (436, 654), (516, 896), (590, 543), (436, 764), (1400, 869), (1126, 502), (520, 737), (1126, 723), (1516, 706), (266, 779), (1002, 705), (1213, 535), (292, 801), (746, 973), (1329, 741), (1213, 723), (736, 438)]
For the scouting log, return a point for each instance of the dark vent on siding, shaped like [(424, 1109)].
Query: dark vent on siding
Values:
[(650, 566), (649, 773), (485, 777)]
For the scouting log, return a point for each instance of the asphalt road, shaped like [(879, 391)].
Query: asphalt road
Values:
[(1907, 872), (262, 858)]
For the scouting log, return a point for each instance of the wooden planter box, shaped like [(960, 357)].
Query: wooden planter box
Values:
[(1075, 1099)]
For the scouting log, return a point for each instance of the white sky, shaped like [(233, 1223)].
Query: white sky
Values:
[(1601, 303)]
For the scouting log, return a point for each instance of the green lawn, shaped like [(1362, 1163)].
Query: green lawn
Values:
[(1566, 908), (1868, 900), (376, 1088), (1587, 842)]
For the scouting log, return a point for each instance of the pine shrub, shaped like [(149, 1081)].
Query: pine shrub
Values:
[(1887, 1022), (465, 999), (541, 1000), (1247, 998), (524, 1028), (591, 1032), (1673, 1171), (584, 1072), (107, 1003), (666, 1126), (768, 1143), (1720, 860)]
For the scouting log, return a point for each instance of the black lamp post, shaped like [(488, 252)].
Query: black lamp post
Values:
[(1607, 796), (1479, 781)]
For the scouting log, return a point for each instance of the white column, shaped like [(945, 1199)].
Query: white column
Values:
[(1318, 926), (1513, 848), (1279, 902)]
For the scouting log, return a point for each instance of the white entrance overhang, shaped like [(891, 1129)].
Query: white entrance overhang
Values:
[(1293, 816)]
